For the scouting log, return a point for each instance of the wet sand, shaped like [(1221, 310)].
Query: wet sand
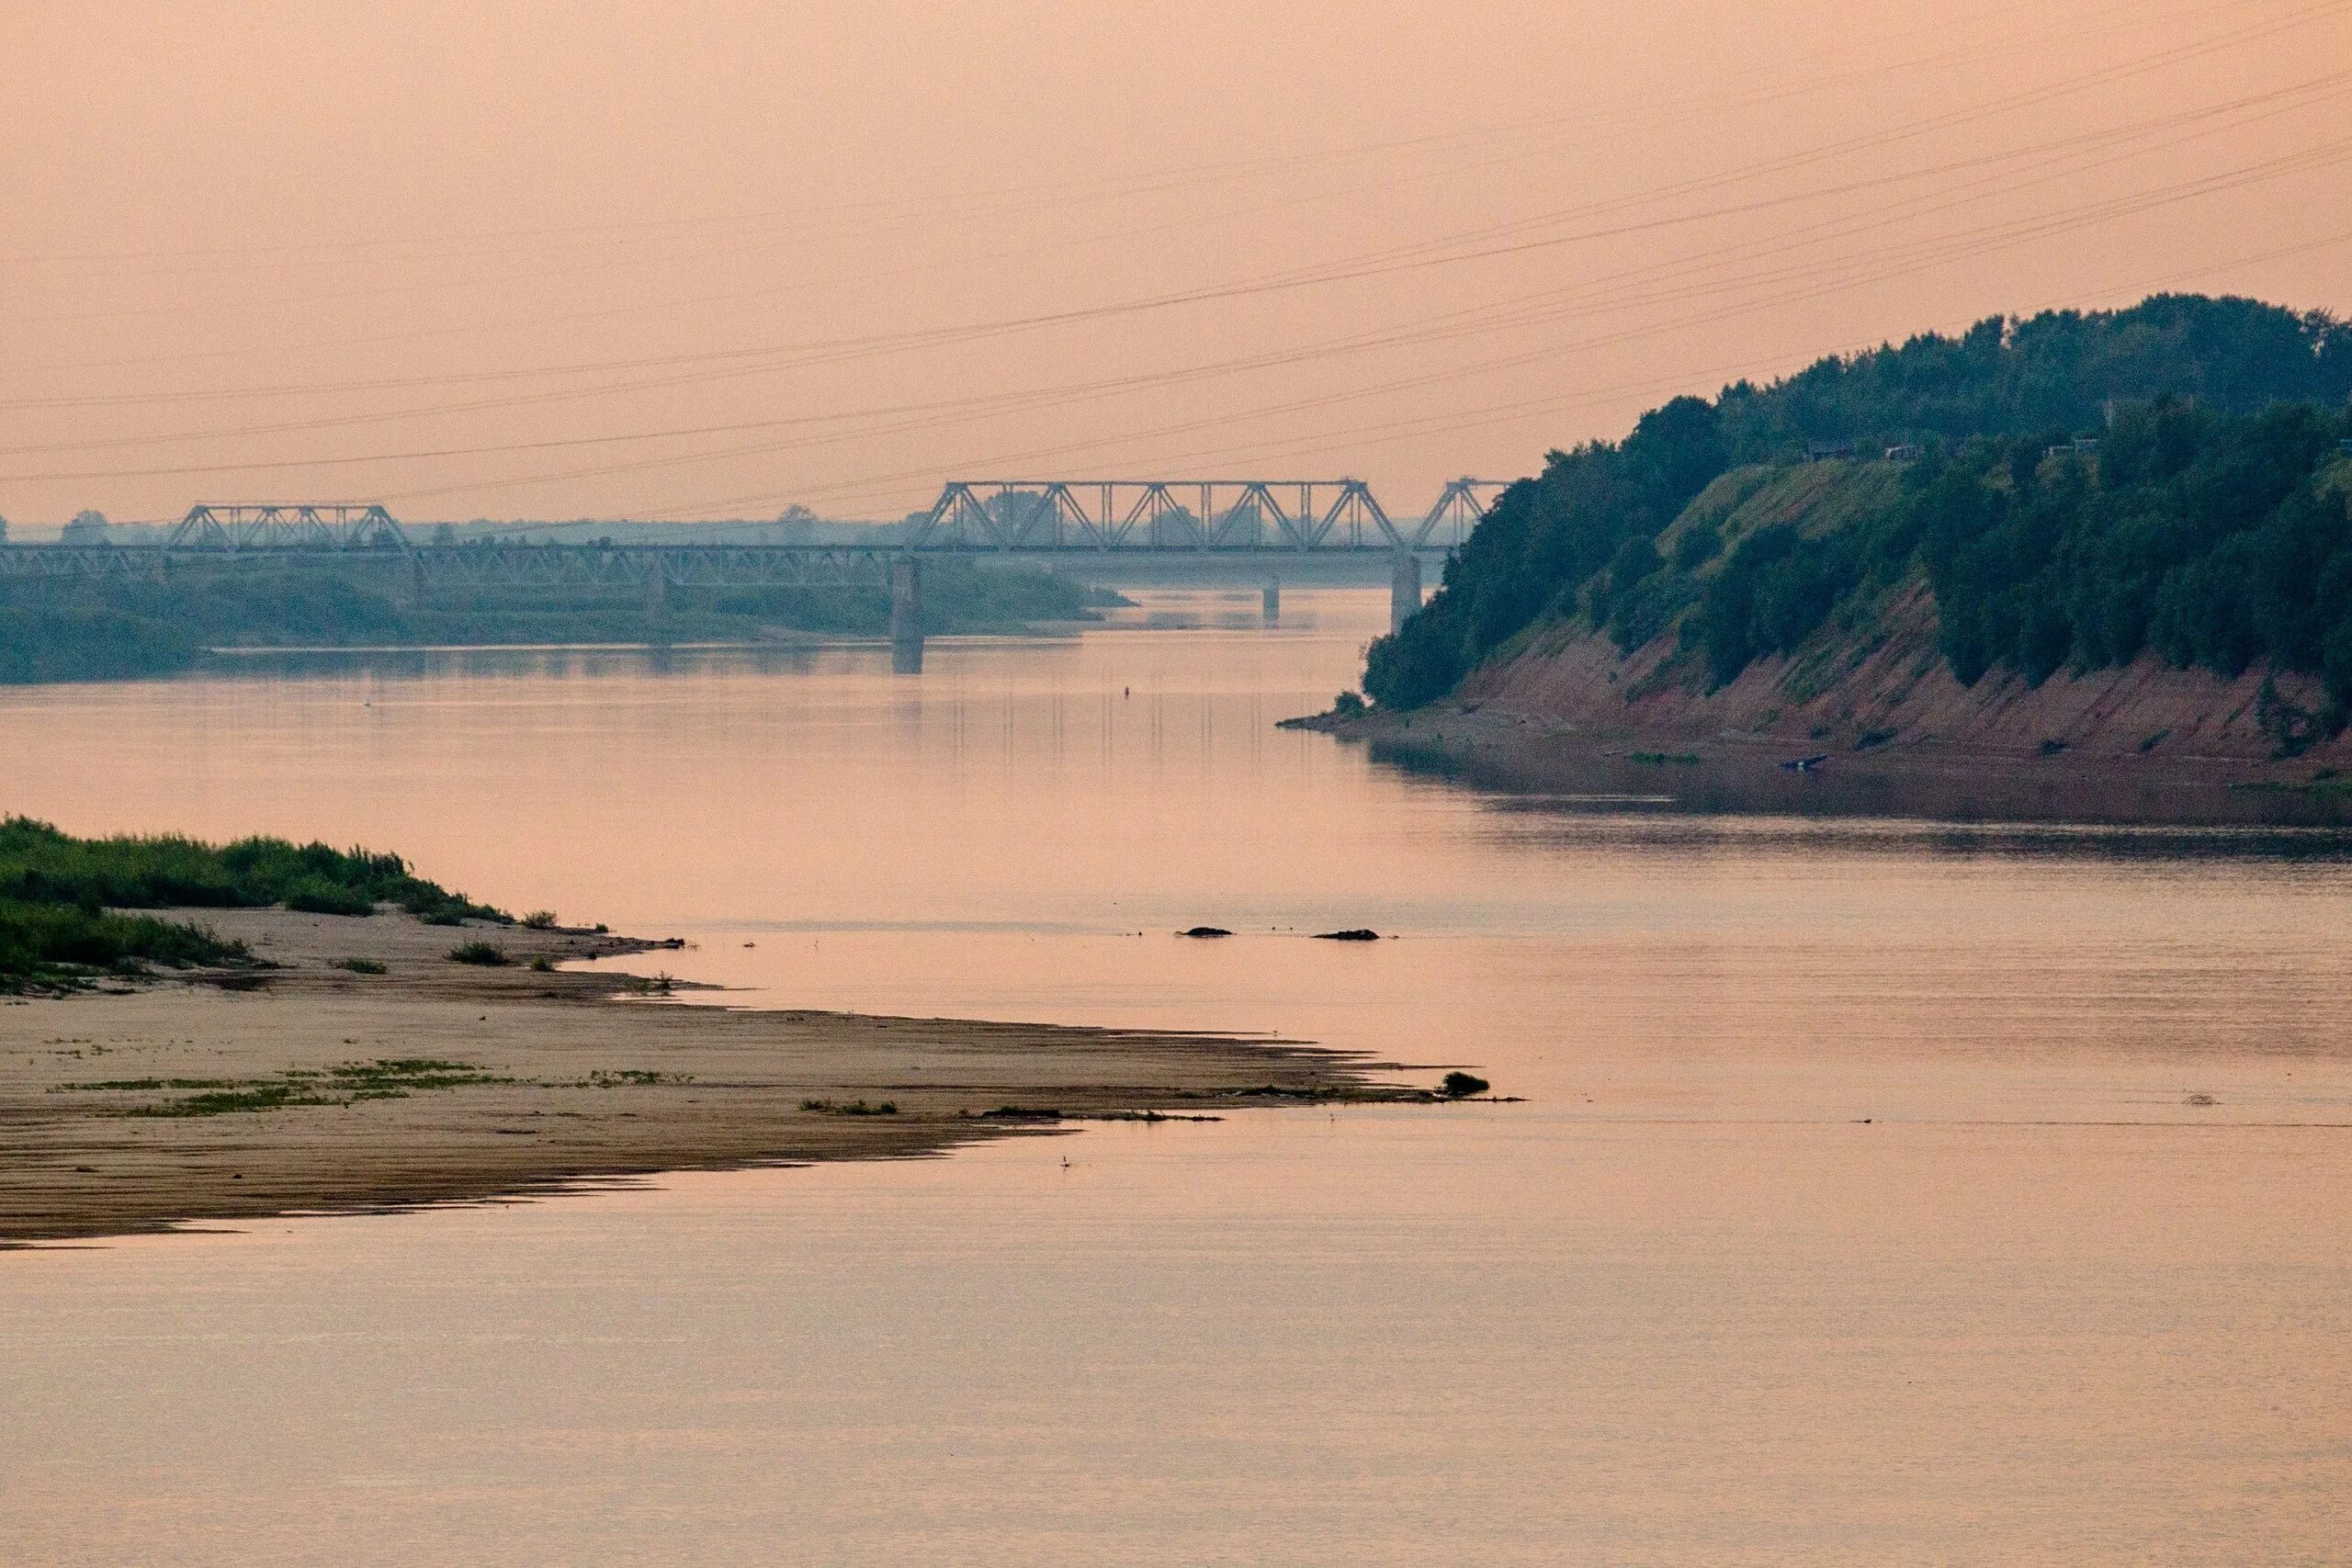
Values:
[(128, 1110)]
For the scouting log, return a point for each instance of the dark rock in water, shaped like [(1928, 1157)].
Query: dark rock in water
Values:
[(1459, 1085), (1357, 933), (1206, 931)]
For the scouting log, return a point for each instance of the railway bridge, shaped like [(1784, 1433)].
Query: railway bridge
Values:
[(1263, 520)]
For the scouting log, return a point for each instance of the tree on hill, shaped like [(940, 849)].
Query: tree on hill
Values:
[(2043, 378)]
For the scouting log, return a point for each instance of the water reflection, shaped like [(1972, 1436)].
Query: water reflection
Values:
[(1885, 1191), (1568, 820)]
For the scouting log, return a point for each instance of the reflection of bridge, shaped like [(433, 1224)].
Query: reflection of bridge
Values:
[(1263, 520)]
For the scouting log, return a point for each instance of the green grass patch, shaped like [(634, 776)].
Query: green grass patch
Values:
[(389, 1077)]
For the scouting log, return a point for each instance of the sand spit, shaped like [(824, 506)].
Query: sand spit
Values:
[(194, 1098)]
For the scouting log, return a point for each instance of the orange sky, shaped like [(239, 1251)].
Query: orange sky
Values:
[(706, 260)]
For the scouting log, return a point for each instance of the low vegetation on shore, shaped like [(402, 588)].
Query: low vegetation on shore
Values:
[(64, 899), (2072, 491)]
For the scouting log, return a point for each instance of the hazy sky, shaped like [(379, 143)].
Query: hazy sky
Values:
[(705, 259)]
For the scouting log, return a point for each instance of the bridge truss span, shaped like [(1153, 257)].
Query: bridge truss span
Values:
[(279, 525), (1206, 516)]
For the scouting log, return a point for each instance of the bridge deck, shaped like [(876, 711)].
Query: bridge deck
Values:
[(685, 564)]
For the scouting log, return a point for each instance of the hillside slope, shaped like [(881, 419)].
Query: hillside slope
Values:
[(1889, 689), (1873, 673)]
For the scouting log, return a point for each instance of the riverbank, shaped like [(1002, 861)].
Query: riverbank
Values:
[(364, 1069), (1738, 772), (127, 628)]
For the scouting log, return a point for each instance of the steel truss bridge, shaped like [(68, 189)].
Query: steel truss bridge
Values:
[(1252, 519), (491, 563), (971, 517), (1188, 514)]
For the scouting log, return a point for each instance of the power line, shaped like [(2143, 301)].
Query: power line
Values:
[(1481, 319), (1365, 266)]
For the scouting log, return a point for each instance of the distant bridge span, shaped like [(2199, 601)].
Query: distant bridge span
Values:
[(1262, 519), (1290, 515), (982, 516)]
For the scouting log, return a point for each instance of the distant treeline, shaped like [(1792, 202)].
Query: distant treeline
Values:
[(2207, 522), (115, 630)]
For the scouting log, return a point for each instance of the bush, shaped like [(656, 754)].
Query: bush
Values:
[(360, 965), (539, 920), (316, 895), (484, 954), (53, 943), (1461, 1086), (41, 864)]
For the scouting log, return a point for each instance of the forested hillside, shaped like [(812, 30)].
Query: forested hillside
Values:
[(2074, 488)]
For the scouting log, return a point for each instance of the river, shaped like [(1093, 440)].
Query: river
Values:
[(1881, 1192)]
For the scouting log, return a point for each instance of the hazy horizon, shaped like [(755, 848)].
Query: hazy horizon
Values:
[(626, 262)]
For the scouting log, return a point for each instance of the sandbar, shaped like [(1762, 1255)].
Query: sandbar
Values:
[(303, 1087)]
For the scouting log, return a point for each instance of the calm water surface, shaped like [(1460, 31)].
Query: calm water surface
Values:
[(1864, 1207)]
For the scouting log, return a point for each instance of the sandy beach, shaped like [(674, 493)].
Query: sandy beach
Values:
[(308, 1086)]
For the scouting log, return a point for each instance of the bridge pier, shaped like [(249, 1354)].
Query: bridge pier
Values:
[(657, 597), (1270, 605), (1404, 591), (906, 615), (407, 583)]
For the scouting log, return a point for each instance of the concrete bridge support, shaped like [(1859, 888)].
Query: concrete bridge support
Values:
[(906, 615), (1271, 606), (656, 599), (407, 583), (1403, 590)]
